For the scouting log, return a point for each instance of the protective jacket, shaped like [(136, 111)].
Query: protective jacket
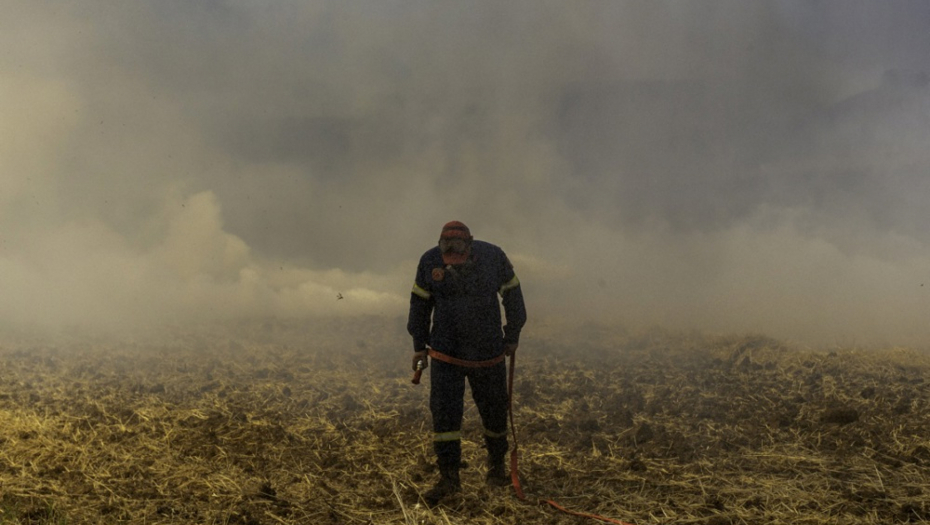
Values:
[(455, 309)]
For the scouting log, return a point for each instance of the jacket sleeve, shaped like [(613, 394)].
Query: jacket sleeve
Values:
[(421, 309), (512, 299)]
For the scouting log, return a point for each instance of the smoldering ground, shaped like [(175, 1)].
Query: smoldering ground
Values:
[(711, 165)]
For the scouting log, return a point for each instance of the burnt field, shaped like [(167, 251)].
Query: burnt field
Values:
[(273, 422)]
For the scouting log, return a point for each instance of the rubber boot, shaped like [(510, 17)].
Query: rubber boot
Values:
[(497, 472), (449, 484)]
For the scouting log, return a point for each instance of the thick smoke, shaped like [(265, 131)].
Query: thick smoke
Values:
[(716, 165)]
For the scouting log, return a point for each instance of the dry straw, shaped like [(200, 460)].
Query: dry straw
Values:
[(285, 425)]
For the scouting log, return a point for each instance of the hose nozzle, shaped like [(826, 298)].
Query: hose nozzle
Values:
[(421, 364)]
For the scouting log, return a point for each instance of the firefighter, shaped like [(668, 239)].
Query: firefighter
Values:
[(455, 318)]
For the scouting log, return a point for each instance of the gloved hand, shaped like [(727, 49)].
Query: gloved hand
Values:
[(422, 355), (510, 349)]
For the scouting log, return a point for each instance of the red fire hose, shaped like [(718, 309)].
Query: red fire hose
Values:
[(514, 470)]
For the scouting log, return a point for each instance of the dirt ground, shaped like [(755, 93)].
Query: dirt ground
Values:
[(287, 422)]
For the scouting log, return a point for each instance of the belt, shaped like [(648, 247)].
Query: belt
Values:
[(462, 362)]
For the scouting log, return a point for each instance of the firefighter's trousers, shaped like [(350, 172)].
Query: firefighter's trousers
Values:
[(447, 399)]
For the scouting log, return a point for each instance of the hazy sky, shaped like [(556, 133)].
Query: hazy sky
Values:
[(728, 166)]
